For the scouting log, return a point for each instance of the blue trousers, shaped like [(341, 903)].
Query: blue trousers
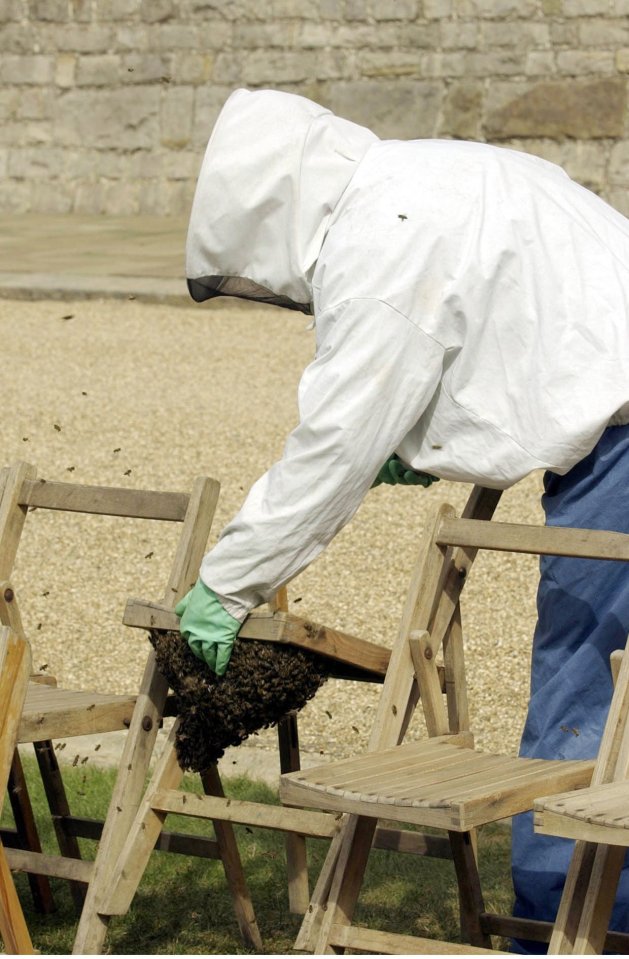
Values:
[(583, 614)]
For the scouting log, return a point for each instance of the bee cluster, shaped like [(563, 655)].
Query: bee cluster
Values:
[(264, 681)]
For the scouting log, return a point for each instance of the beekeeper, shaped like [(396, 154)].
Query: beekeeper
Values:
[(471, 308)]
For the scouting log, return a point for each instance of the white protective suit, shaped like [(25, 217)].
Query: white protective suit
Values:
[(471, 307)]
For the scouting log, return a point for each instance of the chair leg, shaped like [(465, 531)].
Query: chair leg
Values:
[(60, 812), (296, 855), (126, 798), (232, 865), (27, 833), (352, 861), (13, 928), (471, 902), (587, 900), (132, 861), (309, 929)]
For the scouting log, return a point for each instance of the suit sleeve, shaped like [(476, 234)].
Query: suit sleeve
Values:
[(373, 376)]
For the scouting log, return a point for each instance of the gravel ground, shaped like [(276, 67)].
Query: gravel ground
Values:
[(124, 393)]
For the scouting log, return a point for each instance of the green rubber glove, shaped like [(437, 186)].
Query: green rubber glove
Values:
[(395, 472), (209, 629)]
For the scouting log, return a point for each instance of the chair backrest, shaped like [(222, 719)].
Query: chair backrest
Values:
[(15, 669), (21, 492), (431, 622)]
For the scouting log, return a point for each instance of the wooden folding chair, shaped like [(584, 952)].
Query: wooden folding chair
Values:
[(441, 781), (15, 669), (598, 818), (348, 658), (52, 713)]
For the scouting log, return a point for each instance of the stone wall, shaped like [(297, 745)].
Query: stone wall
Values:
[(106, 105)]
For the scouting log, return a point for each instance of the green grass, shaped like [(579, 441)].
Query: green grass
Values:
[(183, 905)]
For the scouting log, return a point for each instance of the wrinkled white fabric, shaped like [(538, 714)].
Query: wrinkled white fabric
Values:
[(471, 307)]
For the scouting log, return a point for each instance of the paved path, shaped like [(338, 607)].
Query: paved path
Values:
[(78, 256)]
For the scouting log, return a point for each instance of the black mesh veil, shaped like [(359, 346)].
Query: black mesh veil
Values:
[(206, 287)]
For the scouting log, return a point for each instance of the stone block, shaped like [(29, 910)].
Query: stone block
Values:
[(82, 38), (108, 119), (98, 71), (438, 9), (9, 102), (457, 35), (603, 32), (419, 36), (438, 65), (331, 9), (26, 132), (118, 9), (552, 8), (229, 68), (133, 38), (110, 165), (158, 11), (180, 164), (121, 197), (395, 10), (356, 10), (514, 33), (65, 67), (32, 163), (495, 9), (176, 111), (462, 111), (391, 108), (297, 9), (622, 60), (146, 68), (334, 65), (218, 10), (35, 103), (193, 68), (581, 62), (27, 70), (620, 8), (169, 37), (279, 66), (585, 8), (15, 196), (388, 63), (357, 35), (582, 109), (307, 35), (564, 33), (88, 197), (52, 196), (10, 10), (253, 35), (619, 164), (55, 10), (81, 11), (16, 38), (4, 158), (499, 63), (540, 63)]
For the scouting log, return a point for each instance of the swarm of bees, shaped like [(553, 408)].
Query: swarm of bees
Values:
[(262, 684)]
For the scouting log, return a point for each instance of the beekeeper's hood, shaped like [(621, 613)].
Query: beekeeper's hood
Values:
[(274, 169)]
